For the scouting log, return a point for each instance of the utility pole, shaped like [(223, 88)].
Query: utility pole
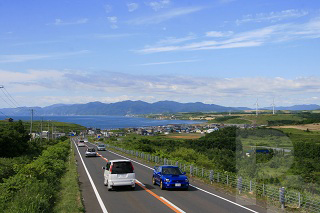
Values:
[(41, 128), (48, 136), (31, 121)]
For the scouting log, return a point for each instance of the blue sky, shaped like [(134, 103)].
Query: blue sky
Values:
[(226, 52)]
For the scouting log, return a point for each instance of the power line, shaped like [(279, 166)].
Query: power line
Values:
[(8, 97), (11, 97), (3, 114)]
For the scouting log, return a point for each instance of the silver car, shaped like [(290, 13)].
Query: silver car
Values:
[(90, 152), (101, 147)]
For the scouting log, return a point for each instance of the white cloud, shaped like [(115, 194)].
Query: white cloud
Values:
[(174, 40), (113, 20), (31, 57), (169, 62), (68, 86), (60, 22), (219, 34), (272, 34), (156, 19), (272, 16), (132, 6), (157, 5)]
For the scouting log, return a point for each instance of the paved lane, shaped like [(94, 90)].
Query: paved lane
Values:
[(146, 199)]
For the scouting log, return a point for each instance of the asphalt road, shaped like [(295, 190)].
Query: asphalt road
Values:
[(147, 197)]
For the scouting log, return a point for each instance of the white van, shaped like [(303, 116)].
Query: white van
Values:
[(119, 173)]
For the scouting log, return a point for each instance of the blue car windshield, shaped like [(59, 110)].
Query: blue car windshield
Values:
[(171, 171)]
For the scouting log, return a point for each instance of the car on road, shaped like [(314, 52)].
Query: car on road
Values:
[(101, 147), (90, 152), (119, 173), (168, 177), (81, 143)]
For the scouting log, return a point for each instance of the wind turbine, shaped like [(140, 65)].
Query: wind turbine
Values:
[(273, 105), (257, 106)]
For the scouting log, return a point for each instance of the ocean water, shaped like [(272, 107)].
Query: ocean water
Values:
[(107, 122)]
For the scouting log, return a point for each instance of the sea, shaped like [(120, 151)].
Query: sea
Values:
[(107, 122)]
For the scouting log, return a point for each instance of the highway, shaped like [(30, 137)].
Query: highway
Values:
[(147, 197)]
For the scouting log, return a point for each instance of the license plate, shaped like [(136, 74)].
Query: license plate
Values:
[(122, 176), (178, 184)]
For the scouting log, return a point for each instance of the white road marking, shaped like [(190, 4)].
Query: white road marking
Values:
[(103, 208), (140, 182), (192, 186), (180, 210)]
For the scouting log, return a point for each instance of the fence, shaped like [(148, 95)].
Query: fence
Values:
[(274, 195)]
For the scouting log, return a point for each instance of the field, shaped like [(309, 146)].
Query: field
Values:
[(311, 127), (185, 136)]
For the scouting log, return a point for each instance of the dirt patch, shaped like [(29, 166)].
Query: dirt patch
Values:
[(311, 127), (185, 136)]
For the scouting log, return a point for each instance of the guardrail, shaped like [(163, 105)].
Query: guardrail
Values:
[(273, 195)]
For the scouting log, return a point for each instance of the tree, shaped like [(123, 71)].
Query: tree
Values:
[(14, 140)]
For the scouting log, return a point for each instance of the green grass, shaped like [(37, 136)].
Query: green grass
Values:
[(297, 135), (261, 119), (58, 126), (69, 197)]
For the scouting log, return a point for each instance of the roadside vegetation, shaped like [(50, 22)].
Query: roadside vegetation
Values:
[(31, 170), (69, 196)]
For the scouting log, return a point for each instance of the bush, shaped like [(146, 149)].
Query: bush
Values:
[(36, 183)]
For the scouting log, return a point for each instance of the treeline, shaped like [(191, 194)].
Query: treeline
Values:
[(17, 149)]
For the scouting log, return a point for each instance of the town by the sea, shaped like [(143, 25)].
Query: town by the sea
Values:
[(107, 122)]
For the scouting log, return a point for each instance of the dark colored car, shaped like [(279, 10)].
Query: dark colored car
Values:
[(168, 177)]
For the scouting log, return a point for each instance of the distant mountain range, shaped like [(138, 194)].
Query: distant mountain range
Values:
[(134, 107), (297, 107), (121, 108)]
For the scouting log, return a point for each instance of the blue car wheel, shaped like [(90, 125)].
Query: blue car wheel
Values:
[(153, 181), (161, 185)]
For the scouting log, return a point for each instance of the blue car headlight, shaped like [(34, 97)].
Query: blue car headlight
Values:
[(167, 180), (186, 180)]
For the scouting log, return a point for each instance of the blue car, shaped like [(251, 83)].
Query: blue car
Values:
[(169, 177)]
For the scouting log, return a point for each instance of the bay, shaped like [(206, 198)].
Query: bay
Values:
[(107, 122)]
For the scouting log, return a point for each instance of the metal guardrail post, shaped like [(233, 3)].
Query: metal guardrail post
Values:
[(239, 185), (211, 176), (281, 197)]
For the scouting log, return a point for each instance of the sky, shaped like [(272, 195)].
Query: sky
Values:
[(225, 52)]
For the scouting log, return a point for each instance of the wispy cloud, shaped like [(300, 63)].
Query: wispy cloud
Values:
[(132, 6), (113, 20), (181, 88), (60, 22), (169, 62), (107, 8), (113, 36), (156, 19), (157, 5), (272, 16), (272, 34), (219, 34), (32, 57), (175, 40)]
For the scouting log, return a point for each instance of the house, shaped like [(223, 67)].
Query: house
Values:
[(9, 119)]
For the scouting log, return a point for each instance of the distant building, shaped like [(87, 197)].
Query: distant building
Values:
[(9, 119)]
